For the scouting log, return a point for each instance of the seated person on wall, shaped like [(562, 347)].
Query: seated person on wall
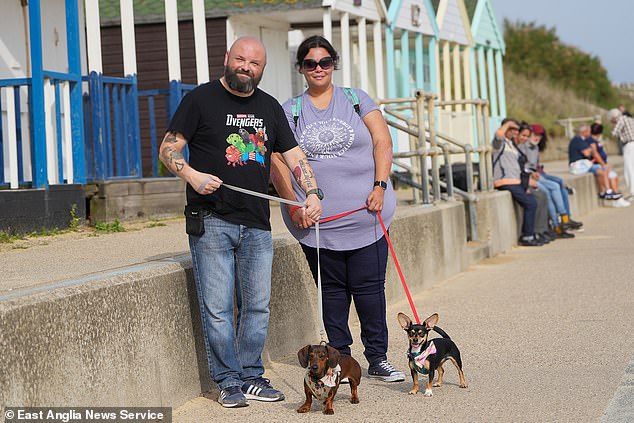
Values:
[(545, 204), (580, 161), (548, 183), (600, 156), (507, 176)]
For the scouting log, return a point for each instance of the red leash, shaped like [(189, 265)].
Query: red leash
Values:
[(337, 216), (389, 243)]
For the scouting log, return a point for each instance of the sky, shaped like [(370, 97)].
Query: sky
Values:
[(603, 28)]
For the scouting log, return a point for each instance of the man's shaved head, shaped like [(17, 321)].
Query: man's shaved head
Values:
[(250, 43), (244, 64)]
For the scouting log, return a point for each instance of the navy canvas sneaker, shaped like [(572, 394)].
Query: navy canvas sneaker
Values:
[(232, 397), (385, 371), (260, 389)]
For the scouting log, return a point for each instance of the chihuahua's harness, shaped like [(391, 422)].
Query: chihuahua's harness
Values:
[(321, 388), (418, 359)]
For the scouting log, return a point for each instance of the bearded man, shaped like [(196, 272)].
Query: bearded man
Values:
[(229, 231)]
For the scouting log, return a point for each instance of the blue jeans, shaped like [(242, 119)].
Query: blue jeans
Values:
[(230, 258), (562, 189), (555, 202)]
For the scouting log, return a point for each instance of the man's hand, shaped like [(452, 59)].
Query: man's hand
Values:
[(301, 220), (204, 183)]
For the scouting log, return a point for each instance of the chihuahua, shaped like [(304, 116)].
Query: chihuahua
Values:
[(428, 355)]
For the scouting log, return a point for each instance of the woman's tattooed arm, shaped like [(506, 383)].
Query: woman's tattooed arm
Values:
[(304, 174)]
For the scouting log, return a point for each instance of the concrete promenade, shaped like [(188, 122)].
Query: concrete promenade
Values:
[(546, 335)]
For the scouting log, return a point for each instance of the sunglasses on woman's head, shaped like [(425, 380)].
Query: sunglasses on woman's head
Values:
[(325, 63)]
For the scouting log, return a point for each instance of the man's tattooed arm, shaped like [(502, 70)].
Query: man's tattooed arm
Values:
[(171, 155)]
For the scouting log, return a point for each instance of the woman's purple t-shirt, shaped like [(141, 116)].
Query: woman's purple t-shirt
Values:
[(340, 150)]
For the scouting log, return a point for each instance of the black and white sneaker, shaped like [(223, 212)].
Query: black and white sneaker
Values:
[(385, 371), (260, 389), (232, 397)]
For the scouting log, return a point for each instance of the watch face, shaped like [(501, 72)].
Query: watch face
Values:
[(381, 184), (317, 191)]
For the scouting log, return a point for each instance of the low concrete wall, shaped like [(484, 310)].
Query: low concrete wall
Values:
[(30, 210), (134, 339), (123, 340), (135, 199)]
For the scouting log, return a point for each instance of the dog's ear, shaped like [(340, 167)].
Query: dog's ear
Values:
[(333, 356), (431, 321), (302, 356), (404, 321)]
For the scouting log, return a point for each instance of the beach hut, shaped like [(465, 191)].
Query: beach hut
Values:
[(410, 44), (453, 69), (42, 163), (181, 43), (41, 141), (354, 27), (487, 72)]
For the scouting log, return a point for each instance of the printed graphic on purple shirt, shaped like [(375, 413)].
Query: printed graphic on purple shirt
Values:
[(327, 139)]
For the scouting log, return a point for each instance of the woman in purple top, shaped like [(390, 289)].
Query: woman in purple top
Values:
[(348, 145)]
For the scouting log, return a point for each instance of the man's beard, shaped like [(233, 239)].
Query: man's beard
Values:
[(235, 83)]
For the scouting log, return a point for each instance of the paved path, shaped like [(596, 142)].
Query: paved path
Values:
[(546, 336)]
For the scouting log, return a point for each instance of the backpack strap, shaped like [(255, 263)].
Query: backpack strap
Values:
[(296, 108), (352, 96)]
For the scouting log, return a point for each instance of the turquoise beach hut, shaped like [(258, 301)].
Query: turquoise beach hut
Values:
[(487, 72), (453, 69), (410, 42)]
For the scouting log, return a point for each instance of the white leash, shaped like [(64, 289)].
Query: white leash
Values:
[(322, 329)]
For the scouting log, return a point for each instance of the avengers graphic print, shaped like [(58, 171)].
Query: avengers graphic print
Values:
[(248, 143)]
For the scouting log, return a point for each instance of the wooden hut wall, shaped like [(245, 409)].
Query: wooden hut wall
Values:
[(151, 47)]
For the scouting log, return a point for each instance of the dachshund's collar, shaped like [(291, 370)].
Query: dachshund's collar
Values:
[(321, 388), (418, 358)]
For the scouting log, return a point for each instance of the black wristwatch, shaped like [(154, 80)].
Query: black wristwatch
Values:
[(381, 184), (318, 192)]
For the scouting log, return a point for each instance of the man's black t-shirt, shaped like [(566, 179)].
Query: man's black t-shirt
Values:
[(232, 137)]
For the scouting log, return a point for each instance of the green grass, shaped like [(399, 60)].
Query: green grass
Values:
[(8, 238), (102, 227), (155, 224), (542, 101), (73, 225)]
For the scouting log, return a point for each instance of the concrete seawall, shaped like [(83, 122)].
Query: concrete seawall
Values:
[(133, 338)]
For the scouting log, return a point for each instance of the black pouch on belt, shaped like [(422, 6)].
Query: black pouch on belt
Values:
[(194, 221)]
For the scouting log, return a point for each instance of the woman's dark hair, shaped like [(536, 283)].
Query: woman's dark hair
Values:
[(596, 129), (524, 126), (316, 41), (507, 119), (542, 142)]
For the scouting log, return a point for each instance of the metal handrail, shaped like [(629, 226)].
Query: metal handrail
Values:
[(416, 118)]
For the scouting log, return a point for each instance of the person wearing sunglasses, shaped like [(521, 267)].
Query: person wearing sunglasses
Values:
[(507, 177), (349, 147)]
